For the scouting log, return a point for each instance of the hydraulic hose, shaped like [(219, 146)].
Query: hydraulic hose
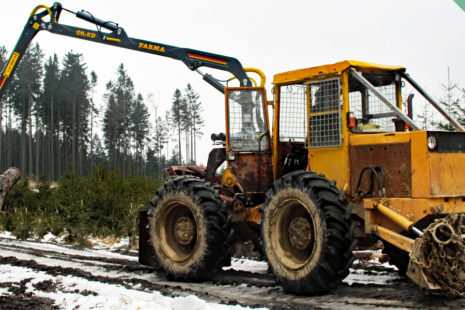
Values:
[(41, 6)]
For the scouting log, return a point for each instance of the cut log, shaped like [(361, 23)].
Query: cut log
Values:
[(7, 180)]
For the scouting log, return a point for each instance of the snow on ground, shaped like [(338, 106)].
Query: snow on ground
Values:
[(244, 264), (76, 293), (360, 276), (70, 292)]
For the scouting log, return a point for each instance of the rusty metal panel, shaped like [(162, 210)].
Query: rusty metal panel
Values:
[(395, 159), (253, 171)]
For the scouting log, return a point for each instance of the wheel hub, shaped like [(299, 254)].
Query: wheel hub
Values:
[(300, 233), (184, 230)]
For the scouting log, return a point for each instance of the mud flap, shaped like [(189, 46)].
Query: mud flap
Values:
[(146, 252)]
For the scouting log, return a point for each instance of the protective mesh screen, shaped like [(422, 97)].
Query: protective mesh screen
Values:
[(325, 128), (374, 111), (292, 113), (246, 121)]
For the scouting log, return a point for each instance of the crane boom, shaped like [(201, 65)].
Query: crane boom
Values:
[(116, 36)]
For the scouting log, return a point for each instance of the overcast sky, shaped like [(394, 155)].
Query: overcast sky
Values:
[(426, 36)]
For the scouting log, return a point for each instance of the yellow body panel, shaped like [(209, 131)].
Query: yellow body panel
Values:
[(332, 69), (421, 174), (447, 174), (332, 162)]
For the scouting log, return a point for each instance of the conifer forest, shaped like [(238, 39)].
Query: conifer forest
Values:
[(87, 169)]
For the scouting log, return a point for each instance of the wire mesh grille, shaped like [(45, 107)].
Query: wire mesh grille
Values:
[(292, 113), (325, 124), (246, 121), (375, 111)]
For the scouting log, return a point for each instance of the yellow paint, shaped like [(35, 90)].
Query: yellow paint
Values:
[(421, 174), (11, 64), (413, 209), (276, 155), (229, 180), (333, 69), (41, 6), (331, 161), (393, 238), (447, 174), (397, 218), (259, 72), (379, 138), (86, 34), (112, 39), (36, 26), (253, 215), (151, 47)]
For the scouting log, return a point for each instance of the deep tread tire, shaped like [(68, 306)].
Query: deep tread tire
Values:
[(325, 261), (189, 197)]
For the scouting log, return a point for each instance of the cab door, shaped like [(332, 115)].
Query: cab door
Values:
[(248, 141)]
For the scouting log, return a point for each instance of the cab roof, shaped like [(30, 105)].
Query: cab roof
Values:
[(336, 68)]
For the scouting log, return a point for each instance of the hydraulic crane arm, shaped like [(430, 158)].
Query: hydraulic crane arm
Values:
[(193, 59)]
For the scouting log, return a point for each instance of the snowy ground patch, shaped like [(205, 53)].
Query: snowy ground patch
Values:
[(75, 293)]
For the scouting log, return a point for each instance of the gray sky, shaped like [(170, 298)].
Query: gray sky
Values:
[(426, 36)]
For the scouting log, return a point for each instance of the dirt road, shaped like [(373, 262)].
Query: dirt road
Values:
[(373, 285)]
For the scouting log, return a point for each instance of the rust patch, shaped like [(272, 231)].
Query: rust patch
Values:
[(395, 159), (184, 230), (198, 171), (300, 233), (253, 171)]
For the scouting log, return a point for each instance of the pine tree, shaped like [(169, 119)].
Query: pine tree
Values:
[(125, 114), (140, 128), (47, 109), (75, 109), (25, 90), (453, 104), (93, 114), (177, 118), (196, 121)]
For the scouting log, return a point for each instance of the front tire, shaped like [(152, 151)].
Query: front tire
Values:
[(307, 233), (189, 229)]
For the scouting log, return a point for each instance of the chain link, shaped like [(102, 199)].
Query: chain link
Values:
[(442, 253)]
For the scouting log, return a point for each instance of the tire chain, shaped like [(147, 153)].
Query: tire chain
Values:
[(442, 253)]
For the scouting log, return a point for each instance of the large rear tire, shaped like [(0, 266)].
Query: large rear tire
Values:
[(189, 229), (307, 233)]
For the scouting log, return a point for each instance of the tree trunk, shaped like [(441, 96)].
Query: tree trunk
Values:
[(37, 148), (179, 144), (29, 112), (73, 135), (23, 138), (51, 138)]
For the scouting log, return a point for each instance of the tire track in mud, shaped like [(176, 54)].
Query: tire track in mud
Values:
[(232, 287)]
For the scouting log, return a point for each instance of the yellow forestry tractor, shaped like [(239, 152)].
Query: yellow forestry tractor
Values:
[(343, 162)]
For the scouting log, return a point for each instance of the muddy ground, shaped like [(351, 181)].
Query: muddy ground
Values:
[(228, 287)]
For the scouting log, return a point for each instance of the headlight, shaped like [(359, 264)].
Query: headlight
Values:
[(432, 142)]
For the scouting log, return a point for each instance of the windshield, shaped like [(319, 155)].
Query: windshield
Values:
[(246, 120)]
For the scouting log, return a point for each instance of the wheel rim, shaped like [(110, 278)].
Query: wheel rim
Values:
[(293, 234), (178, 231)]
